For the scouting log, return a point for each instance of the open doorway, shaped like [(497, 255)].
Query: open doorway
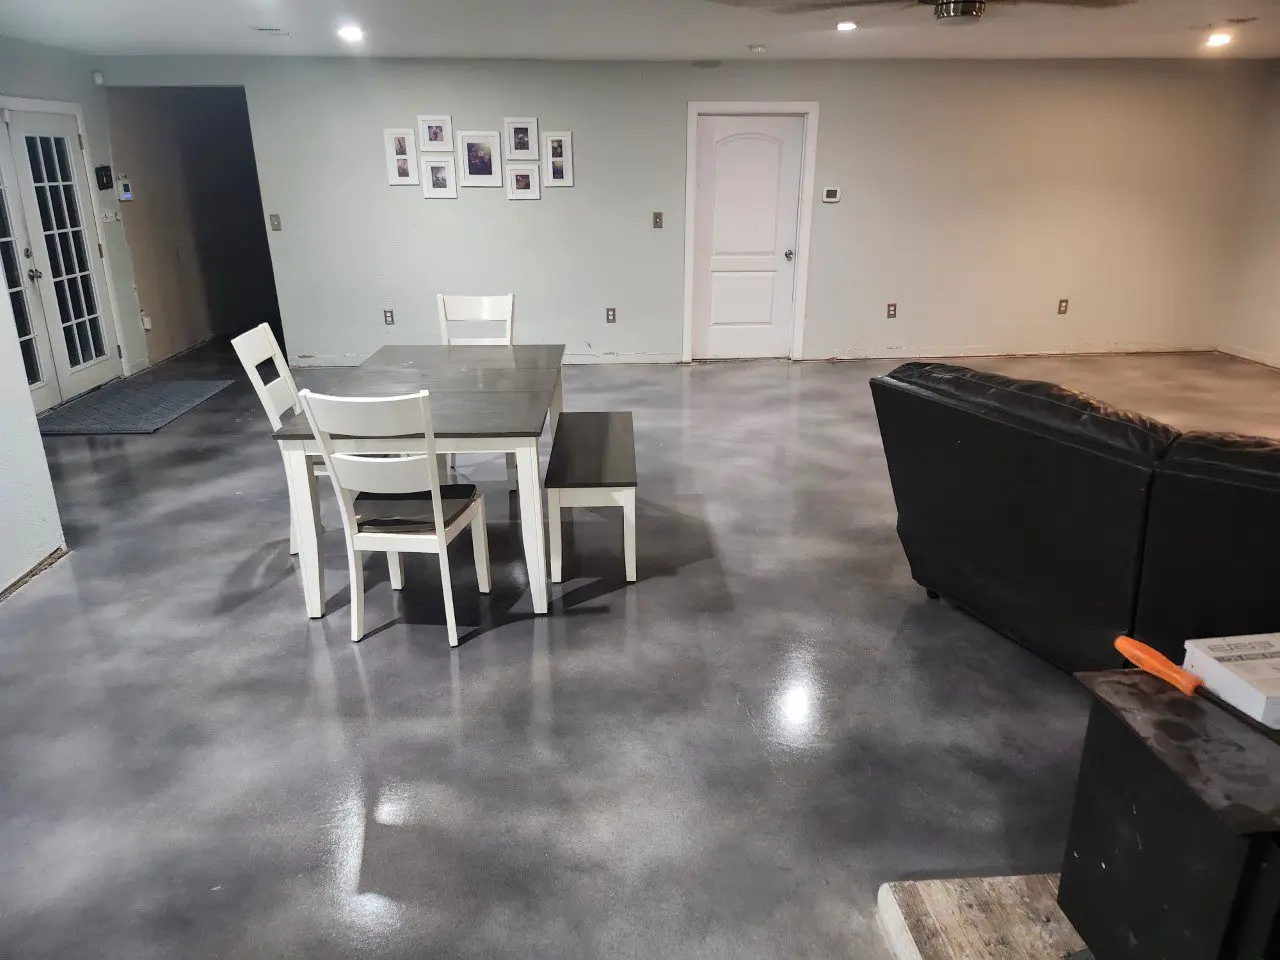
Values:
[(192, 214)]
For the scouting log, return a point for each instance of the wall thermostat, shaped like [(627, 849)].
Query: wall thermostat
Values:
[(831, 195), (125, 191)]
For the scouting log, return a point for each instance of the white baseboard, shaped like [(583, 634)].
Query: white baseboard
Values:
[(1013, 350), (354, 360), (1245, 353)]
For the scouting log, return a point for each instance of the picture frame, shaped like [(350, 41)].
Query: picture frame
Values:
[(402, 157), (524, 181), (479, 158), (439, 177), (557, 159), (435, 133), (520, 138)]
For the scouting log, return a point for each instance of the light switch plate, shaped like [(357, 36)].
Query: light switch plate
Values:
[(276, 224), (657, 221)]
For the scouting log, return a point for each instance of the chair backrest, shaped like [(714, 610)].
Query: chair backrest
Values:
[(475, 310), (280, 395), (369, 418)]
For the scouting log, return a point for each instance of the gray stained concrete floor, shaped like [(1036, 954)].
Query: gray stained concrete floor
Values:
[(723, 760)]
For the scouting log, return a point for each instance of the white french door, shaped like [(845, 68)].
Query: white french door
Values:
[(52, 260), (746, 224)]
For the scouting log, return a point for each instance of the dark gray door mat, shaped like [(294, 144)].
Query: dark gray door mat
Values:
[(128, 406)]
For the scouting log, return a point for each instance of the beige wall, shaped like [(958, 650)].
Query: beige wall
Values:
[(1250, 322), (976, 195), (146, 147)]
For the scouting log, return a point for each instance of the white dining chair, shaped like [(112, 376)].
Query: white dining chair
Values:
[(488, 310), (476, 310), (395, 505), (278, 396)]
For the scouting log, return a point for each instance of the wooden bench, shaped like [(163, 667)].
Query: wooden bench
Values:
[(593, 464)]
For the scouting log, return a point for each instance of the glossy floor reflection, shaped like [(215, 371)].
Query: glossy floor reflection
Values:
[(721, 761)]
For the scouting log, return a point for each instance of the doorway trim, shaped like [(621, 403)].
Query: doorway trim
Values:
[(808, 109), (129, 364)]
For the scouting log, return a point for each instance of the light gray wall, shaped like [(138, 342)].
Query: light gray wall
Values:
[(1252, 329), (47, 73), (29, 525), (976, 195)]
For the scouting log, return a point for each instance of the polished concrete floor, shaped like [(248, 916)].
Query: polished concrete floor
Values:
[(723, 760)]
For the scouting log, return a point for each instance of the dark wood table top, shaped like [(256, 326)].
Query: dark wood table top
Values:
[(1230, 763), (475, 391)]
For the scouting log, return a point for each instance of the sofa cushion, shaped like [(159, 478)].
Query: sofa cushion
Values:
[(1068, 414), (1211, 560)]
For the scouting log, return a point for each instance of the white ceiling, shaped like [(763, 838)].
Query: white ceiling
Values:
[(635, 29)]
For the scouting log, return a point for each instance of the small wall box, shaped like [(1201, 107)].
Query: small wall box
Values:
[(125, 189), (831, 195)]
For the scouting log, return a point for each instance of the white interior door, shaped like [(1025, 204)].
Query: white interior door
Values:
[(746, 217), (64, 269), (17, 281)]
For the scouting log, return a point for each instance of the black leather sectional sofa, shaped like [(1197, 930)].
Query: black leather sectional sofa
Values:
[(1062, 522)]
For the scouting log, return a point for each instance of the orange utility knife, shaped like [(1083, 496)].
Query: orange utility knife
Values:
[(1158, 665)]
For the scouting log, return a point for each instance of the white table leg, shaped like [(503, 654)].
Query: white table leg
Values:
[(306, 518), (531, 524), (557, 402)]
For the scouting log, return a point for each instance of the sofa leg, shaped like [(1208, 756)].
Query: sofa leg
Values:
[(931, 594)]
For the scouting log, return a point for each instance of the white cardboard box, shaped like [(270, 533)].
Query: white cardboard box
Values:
[(1243, 671)]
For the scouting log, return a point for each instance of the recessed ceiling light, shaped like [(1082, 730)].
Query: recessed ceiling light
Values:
[(844, 26), (350, 33), (757, 48), (1218, 40)]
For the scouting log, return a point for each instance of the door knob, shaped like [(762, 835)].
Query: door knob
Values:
[(33, 274), (790, 255)]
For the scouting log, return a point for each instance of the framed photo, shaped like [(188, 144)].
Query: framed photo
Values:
[(479, 158), (523, 182), (435, 134), (557, 159), (439, 178), (520, 136), (402, 157)]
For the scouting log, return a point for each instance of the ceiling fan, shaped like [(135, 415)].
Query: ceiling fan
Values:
[(953, 10)]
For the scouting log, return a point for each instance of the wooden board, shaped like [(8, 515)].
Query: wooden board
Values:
[(976, 918)]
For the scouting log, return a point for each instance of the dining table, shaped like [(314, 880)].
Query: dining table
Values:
[(484, 399)]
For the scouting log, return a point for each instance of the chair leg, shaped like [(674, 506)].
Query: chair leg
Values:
[(395, 563), (513, 476), (629, 532), (293, 509), (355, 564), (554, 532), (446, 584), (480, 547)]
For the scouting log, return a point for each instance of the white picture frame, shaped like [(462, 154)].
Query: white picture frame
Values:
[(520, 138), (487, 156), (435, 133), (439, 177), (524, 181), (402, 157), (557, 159)]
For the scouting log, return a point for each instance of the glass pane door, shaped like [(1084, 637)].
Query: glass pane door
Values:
[(66, 258), (16, 286)]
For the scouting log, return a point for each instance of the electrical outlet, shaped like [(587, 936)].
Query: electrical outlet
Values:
[(610, 314), (1063, 307), (892, 312), (657, 221), (389, 317)]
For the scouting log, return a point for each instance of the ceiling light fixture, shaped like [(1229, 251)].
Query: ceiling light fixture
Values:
[(757, 48), (844, 26), (350, 33), (1218, 40)]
